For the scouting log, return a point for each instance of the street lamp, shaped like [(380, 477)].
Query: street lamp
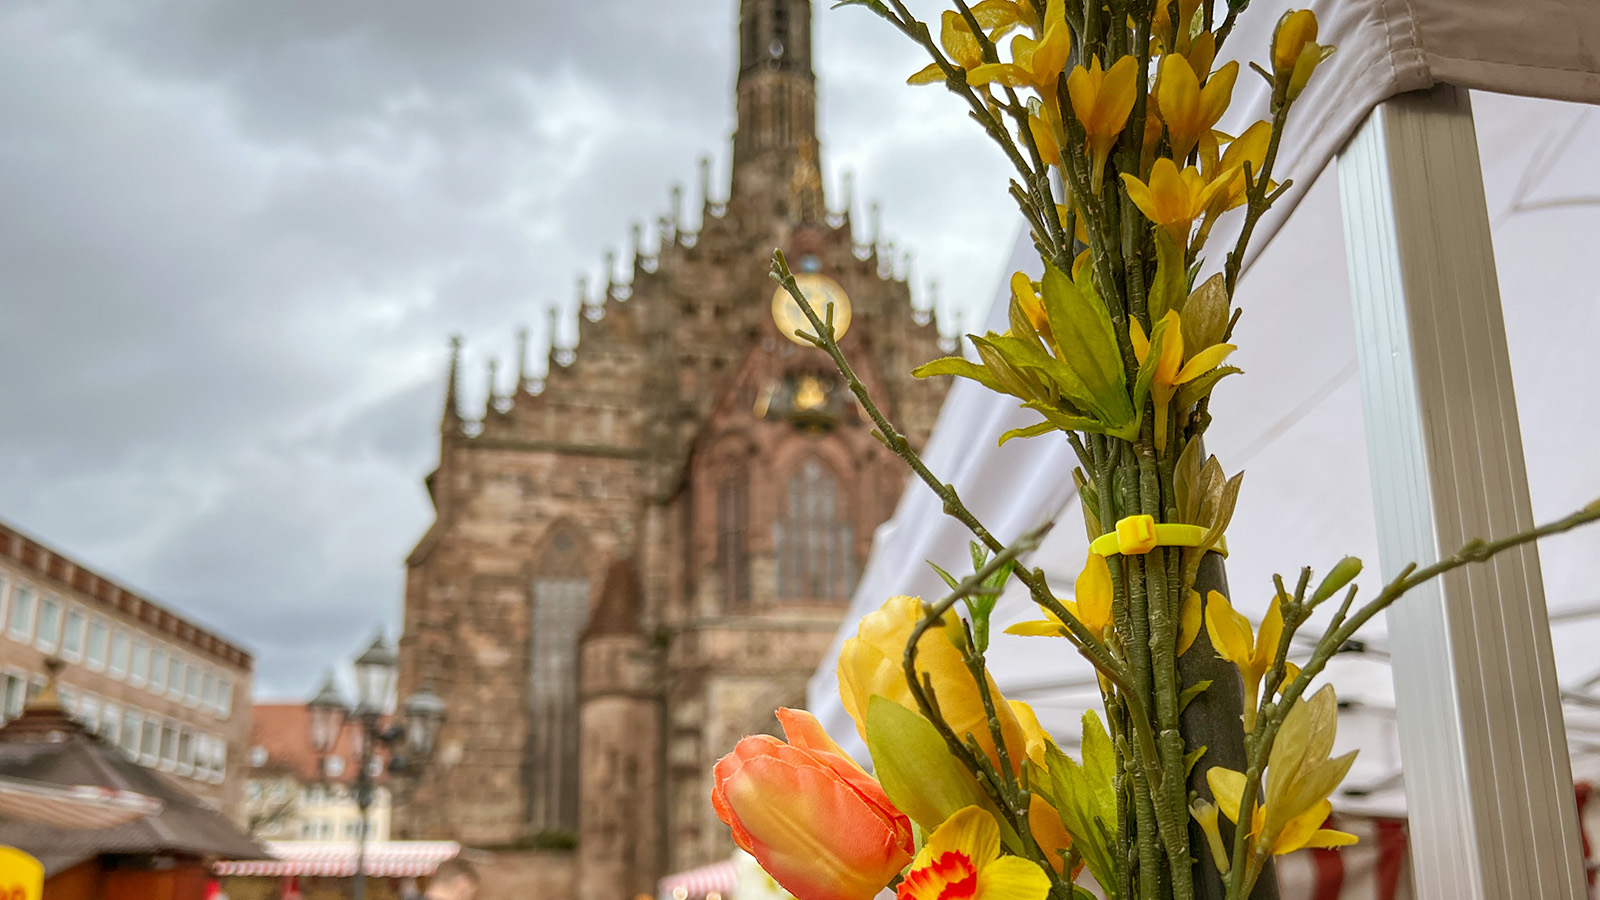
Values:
[(376, 671)]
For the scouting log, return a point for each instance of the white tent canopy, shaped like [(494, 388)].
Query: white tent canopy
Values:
[(1294, 422)]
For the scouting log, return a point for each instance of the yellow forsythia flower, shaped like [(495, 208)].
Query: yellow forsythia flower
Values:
[(871, 663), (1092, 606), (959, 43), (1253, 653), (1295, 51), (1102, 101), (1174, 199), (1035, 62), (1170, 369), (962, 861), (1190, 110), (1300, 776)]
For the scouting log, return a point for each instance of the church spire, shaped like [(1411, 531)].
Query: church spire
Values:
[(775, 159), (451, 421)]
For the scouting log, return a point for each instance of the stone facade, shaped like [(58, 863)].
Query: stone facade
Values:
[(637, 557)]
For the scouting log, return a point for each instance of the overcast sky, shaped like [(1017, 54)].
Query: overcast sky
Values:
[(235, 237)]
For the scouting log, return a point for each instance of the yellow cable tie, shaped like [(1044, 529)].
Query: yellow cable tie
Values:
[(1141, 534)]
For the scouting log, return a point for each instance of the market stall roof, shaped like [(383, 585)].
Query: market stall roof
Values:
[(44, 745), (384, 859), (78, 806), (1294, 420)]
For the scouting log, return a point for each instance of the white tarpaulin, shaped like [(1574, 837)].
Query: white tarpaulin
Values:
[(1293, 421)]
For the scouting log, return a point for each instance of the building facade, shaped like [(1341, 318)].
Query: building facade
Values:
[(293, 793), (638, 556), (169, 693)]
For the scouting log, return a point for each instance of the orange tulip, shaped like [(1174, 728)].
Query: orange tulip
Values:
[(817, 823)]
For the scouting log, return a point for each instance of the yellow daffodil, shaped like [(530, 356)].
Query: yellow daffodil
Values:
[(959, 43), (1170, 368), (1092, 606), (1190, 110), (1035, 62), (1251, 652), (1102, 100), (871, 663), (1295, 51), (1300, 776), (1173, 199), (962, 861)]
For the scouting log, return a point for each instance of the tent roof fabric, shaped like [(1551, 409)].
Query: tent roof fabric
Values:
[(45, 746), (79, 806), (384, 859), (717, 878)]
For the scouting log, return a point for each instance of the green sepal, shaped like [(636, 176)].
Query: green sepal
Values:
[(1167, 289), (1343, 572), (1191, 692), (1205, 316)]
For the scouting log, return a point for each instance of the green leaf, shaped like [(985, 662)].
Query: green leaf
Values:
[(1186, 482), (1205, 316), (1219, 526), (1167, 289), (1190, 758), (963, 368), (1087, 339), (1191, 692), (1085, 796), (948, 578), (918, 772), (1013, 382), (1199, 387), (1089, 502)]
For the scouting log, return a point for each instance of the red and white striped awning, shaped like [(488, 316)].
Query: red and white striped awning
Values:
[(88, 807), (385, 859), (718, 878)]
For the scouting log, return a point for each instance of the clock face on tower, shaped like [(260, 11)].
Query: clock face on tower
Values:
[(820, 290)]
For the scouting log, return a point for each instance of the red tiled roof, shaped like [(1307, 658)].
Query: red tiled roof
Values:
[(284, 730)]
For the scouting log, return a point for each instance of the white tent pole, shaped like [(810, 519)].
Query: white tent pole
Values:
[(1488, 781)]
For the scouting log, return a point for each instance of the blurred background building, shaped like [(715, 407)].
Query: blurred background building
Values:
[(171, 694), (294, 793), (639, 556)]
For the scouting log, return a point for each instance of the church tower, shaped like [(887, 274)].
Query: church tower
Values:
[(640, 551)]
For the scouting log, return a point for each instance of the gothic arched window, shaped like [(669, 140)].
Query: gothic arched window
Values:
[(559, 598), (813, 537), (733, 520)]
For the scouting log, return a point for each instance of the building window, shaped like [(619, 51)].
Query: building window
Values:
[(185, 751), (15, 694), (208, 691), (733, 519), (139, 663), (150, 741), (175, 676), (22, 613), (88, 711), (158, 670), (130, 733), (110, 721), (191, 685), (224, 696), (69, 699), (49, 633), (169, 745), (95, 655), (333, 766), (119, 653), (560, 609), (350, 830), (72, 635), (813, 537)]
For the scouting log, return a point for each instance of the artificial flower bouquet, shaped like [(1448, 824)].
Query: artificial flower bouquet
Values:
[(1213, 754)]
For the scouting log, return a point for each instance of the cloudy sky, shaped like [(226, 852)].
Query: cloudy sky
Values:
[(234, 238)]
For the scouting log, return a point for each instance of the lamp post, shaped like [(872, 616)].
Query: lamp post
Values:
[(376, 670)]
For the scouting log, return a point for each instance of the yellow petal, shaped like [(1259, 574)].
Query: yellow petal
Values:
[(1326, 838), (1189, 622), (1227, 786), (928, 74), (959, 41), (1034, 736), (1038, 628), (1267, 638), (1178, 97), (1140, 193), (1229, 631), (1001, 73), (1094, 593), (1298, 830), (1203, 362), (1117, 92), (1011, 878), (971, 832), (1171, 349), (1141, 344), (1214, 98), (1294, 30)]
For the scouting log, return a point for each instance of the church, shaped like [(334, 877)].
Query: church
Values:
[(636, 557)]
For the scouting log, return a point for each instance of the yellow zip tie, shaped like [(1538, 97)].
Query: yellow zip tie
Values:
[(1141, 534)]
